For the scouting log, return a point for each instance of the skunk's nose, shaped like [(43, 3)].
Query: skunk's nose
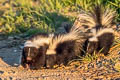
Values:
[(29, 58)]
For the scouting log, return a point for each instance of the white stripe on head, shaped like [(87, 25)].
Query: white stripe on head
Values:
[(40, 41), (30, 44), (29, 52)]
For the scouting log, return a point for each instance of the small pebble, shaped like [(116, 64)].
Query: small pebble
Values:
[(117, 79), (15, 64), (10, 78), (10, 37), (118, 52), (117, 66), (21, 47), (15, 50)]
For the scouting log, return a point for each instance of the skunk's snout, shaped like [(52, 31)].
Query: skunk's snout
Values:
[(29, 59)]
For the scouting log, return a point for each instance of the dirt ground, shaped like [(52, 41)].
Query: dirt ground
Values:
[(100, 69)]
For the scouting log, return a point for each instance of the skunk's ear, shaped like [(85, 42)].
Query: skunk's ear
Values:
[(23, 58)]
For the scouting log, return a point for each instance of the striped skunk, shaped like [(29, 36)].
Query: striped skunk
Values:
[(97, 26), (63, 48), (33, 55)]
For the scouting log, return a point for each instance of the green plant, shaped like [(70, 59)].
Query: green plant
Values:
[(18, 16), (89, 57), (115, 45), (116, 5)]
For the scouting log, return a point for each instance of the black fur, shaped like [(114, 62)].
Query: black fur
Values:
[(65, 51), (102, 45), (105, 41)]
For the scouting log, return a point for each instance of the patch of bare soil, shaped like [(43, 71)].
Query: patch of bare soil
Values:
[(104, 68)]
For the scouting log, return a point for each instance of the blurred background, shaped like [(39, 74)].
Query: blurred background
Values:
[(33, 16)]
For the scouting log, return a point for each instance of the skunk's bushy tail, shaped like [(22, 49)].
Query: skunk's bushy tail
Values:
[(97, 17)]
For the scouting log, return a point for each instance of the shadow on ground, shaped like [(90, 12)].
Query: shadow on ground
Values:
[(10, 54)]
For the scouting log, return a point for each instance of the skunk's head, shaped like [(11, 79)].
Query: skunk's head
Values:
[(34, 51), (27, 58), (30, 51), (92, 45)]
